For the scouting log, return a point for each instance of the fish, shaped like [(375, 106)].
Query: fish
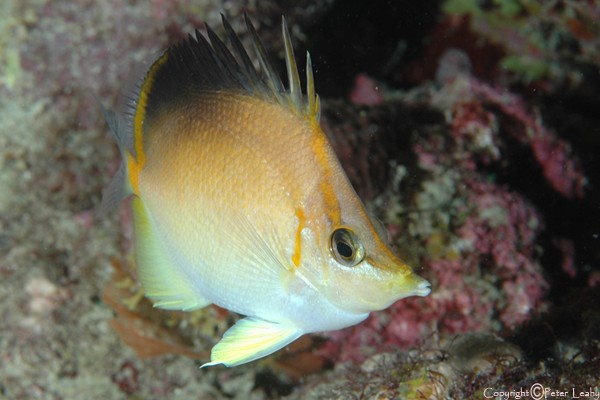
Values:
[(239, 200)]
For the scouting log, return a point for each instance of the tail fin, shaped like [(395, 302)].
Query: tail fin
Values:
[(119, 188)]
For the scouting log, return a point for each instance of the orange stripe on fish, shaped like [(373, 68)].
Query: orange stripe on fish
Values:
[(296, 257), (141, 108), (134, 169), (321, 149)]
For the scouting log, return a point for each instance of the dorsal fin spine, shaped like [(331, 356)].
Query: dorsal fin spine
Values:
[(273, 80), (313, 110), (317, 108), (240, 51), (294, 91)]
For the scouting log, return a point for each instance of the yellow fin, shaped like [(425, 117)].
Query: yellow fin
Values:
[(249, 339), (163, 281)]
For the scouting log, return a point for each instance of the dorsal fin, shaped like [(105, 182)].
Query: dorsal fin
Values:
[(206, 64)]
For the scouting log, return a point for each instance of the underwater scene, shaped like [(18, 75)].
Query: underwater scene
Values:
[(327, 199)]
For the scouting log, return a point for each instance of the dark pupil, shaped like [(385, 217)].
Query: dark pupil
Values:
[(344, 249)]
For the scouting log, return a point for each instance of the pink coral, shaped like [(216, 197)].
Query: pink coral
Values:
[(567, 249), (594, 279), (475, 128), (560, 168), (474, 106), (365, 91)]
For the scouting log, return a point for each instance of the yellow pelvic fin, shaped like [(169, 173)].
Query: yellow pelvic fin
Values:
[(249, 339), (163, 281)]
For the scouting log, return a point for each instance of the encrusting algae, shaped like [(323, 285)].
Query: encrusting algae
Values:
[(239, 200)]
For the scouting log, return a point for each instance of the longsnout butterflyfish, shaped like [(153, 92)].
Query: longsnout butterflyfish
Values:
[(240, 201)]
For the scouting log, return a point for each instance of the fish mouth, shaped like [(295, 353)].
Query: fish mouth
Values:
[(385, 296), (423, 288), (413, 285)]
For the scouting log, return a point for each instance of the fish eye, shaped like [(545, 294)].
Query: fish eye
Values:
[(346, 247)]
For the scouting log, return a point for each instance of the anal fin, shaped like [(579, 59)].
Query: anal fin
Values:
[(249, 339), (163, 281)]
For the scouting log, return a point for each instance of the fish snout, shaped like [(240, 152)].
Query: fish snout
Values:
[(413, 285), (423, 287)]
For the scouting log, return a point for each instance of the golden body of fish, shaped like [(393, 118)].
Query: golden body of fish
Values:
[(240, 201)]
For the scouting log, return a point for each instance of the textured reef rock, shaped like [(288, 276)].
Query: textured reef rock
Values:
[(434, 374), (485, 174), (472, 235)]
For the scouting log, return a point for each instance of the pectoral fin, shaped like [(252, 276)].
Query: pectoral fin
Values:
[(249, 339)]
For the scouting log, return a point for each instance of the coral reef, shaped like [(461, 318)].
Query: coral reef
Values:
[(549, 44), (475, 238), (462, 367), (484, 172), (434, 374)]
